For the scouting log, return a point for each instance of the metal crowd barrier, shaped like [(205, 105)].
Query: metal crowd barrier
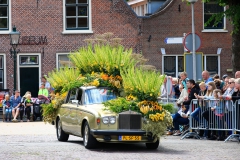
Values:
[(236, 123), (209, 115)]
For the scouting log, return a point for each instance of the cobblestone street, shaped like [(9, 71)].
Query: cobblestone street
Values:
[(36, 140)]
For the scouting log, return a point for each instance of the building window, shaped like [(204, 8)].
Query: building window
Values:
[(211, 8), (77, 16), (63, 60), (1, 72), (28, 60), (4, 15), (173, 65), (211, 64)]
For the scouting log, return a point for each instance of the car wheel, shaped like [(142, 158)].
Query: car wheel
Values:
[(61, 135), (88, 140), (152, 145)]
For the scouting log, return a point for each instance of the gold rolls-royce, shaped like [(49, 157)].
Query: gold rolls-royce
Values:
[(82, 115)]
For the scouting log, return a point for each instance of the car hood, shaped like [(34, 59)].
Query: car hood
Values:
[(99, 110)]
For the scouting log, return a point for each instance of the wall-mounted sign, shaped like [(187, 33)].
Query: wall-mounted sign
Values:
[(33, 40)]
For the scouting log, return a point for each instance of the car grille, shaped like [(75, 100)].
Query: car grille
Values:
[(130, 120)]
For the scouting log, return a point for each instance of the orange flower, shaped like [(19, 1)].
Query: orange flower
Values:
[(104, 77)]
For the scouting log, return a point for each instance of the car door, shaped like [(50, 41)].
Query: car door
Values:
[(69, 114), (78, 113)]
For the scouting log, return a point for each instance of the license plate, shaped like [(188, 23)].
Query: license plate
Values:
[(129, 138)]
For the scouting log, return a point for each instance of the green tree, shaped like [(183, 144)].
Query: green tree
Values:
[(232, 13)]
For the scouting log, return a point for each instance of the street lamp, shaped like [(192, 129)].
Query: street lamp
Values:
[(194, 43), (14, 41)]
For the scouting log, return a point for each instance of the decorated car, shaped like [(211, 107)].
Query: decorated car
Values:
[(108, 95), (82, 115)]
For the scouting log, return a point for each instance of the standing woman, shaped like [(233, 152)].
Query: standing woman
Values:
[(208, 96)]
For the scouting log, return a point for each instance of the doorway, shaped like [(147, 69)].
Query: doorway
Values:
[(29, 80)]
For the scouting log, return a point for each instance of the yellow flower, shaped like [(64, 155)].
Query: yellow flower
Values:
[(95, 82)]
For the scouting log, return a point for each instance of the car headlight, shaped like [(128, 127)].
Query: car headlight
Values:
[(105, 120), (112, 120)]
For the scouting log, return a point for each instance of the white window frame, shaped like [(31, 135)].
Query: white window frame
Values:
[(169, 55), (57, 58), (205, 62), (4, 71), (9, 19), (88, 31), (215, 30), (39, 65)]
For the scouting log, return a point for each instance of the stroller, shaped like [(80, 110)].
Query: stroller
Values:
[(37, 108)]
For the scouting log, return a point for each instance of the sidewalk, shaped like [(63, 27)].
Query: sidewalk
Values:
[(26, 128)]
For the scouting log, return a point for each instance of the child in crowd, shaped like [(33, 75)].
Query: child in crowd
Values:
[(176, 88), (28, 103), (218, 108), (7, 103)]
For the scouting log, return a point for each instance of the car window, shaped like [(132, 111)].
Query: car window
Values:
[(72, 95), (98, 95)]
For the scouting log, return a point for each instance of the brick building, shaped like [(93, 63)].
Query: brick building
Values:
[(50, 30), (175, 20)]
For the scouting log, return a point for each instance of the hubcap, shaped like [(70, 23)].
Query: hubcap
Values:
[(59, 128), (86, 135)]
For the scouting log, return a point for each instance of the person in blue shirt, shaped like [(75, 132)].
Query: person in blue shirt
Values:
[(184, 79), (206, 77), (16, 103)]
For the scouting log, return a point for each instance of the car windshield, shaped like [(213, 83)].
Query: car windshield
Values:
[(98, 95)]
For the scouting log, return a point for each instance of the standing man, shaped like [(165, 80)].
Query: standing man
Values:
[(16, 103), (237, 74), (206, 77)]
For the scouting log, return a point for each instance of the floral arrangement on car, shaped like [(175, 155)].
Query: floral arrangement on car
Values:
[(142, 89)]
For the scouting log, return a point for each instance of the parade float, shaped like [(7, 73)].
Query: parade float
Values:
[(104, 64)]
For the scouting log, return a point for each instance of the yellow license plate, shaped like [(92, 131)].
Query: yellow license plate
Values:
[(130, 138)]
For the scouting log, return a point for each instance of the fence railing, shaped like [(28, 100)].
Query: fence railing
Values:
[(220, 115)]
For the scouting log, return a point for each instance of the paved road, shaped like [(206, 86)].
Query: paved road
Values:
[(37, 141)]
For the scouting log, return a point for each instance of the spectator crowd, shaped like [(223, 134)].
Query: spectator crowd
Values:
[(213, 89), (16, 106)]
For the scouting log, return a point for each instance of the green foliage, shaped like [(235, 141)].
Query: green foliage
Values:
[(49, 112), (143, 84), (64, 79), (120, 104), (102, 58), (169, 107)]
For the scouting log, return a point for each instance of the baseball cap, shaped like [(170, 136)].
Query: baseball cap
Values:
[(224, 76)]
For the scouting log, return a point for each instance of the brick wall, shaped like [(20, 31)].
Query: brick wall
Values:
[(172, 23), (47, 19)]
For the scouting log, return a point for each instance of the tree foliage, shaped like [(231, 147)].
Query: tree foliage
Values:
[(232, 12)]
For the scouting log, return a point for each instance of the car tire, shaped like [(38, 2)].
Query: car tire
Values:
[(89, 141), (152, 145), (61, 135)]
